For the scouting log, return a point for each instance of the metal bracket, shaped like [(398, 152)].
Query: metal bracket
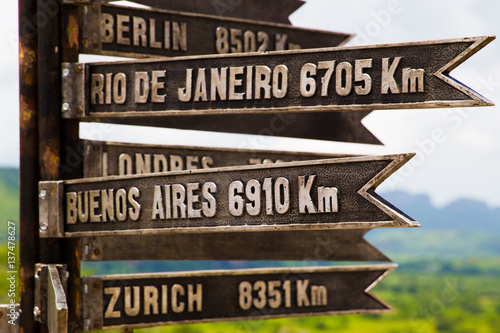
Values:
[(50, 202), (92, 303), (91, 249), (50, 297), (90, 32), (74, 104)]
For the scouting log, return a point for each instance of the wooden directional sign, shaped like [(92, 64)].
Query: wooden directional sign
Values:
[(322, 194), (102, 159), (331, 126), (410, 75), (263, 10), (308, 245), (134, 32), (144, 300)]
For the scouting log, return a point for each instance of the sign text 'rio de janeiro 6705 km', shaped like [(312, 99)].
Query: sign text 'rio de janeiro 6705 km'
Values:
[(410, 75)]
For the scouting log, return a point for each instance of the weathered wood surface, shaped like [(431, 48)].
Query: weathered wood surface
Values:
[(322, 194), (135, 32), (394, 76), (145, 300)]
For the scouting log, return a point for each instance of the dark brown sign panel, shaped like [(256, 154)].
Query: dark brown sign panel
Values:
[(330, 126), (262, 10), (180, 298), (308, 245), (322, 194), (102, 159), (127, 32), (410, 75)]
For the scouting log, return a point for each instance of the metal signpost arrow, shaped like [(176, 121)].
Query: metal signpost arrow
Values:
[(263, 10), (144, 300), (102, 159), (322, 194), (330, 126), (134, 32), (308, 245), (408, 75)]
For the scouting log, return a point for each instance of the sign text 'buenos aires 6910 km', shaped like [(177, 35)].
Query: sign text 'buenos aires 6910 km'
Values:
[(409, 75), (125, 31), (320, 194), (144, 300)]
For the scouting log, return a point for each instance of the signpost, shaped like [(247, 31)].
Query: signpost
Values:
[(330, 126), (133, 32), (143, 300), (322, 194), (409, 75), (315, 210), (262, 10), (102, 159), (308, 245)]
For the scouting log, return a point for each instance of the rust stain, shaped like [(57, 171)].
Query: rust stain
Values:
[(51, 159), (73, 32), (26, 113)]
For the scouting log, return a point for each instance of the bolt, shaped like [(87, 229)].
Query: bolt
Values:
[(66, 275), (85, 41), (97, 252), (79, 109), (96, 45), (79, 69), (37, 312), (65, 106), (43, 193), (37, 273), (86, 288), (65, 72), (44, 226), (97, 285), (86, 249)]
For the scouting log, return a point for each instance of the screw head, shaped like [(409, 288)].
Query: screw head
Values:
[(65, 72), (44, 226), (65, 106), (37, 312), (43, 193)]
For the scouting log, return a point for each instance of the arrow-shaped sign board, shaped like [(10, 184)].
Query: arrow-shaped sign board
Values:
[(102, 159), (321, 194), (262, 10), (146, 300), (411, 75), (304, 245), (330, 126), (134, 32)]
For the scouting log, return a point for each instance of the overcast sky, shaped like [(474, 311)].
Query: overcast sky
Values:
[(463, 163)]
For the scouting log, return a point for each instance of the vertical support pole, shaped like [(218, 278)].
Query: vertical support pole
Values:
[(49, 114), (29, 167), (71, 167)]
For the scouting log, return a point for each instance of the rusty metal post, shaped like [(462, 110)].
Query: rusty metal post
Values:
[(29, 167), (71, 167)]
